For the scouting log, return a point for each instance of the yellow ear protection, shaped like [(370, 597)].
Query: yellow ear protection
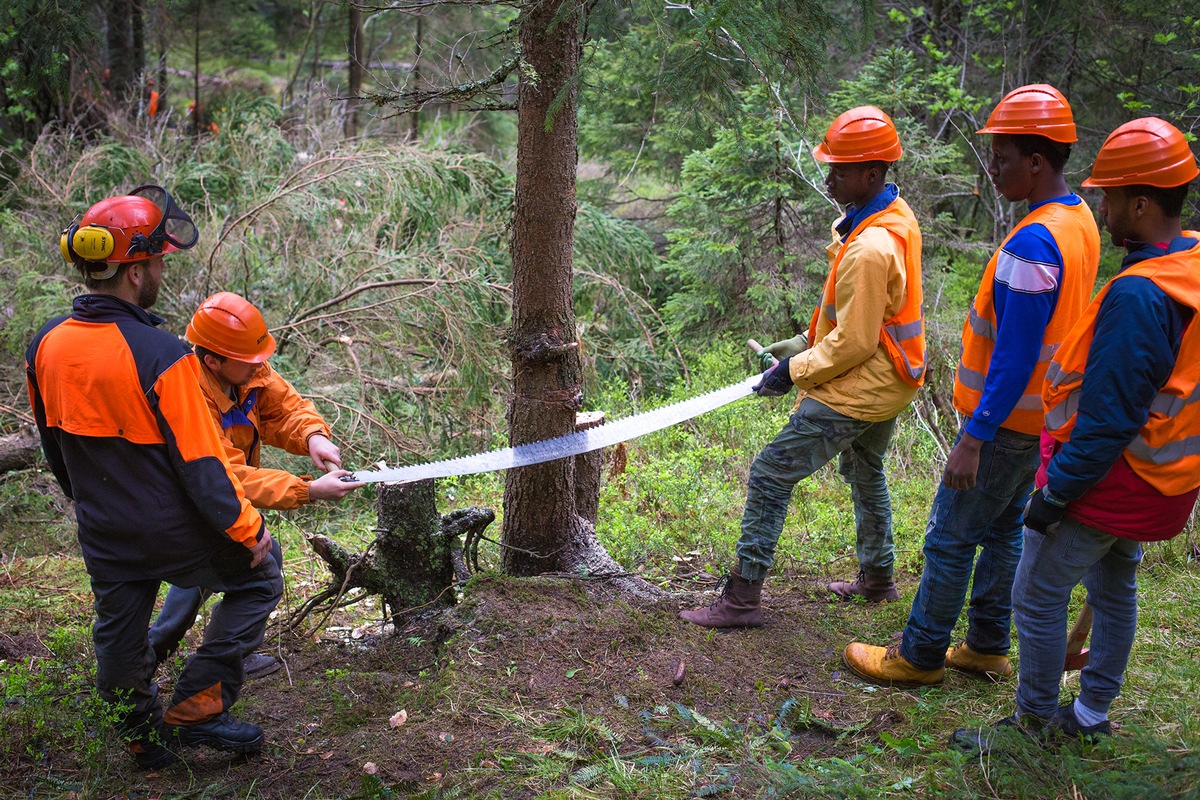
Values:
[(87, 242)]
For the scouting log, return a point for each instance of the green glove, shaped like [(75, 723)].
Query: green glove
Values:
[(781, 350)]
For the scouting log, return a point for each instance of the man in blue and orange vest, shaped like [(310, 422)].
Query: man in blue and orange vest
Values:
[(128, 436), (1034, 288), (1120, 463), (857, 368)]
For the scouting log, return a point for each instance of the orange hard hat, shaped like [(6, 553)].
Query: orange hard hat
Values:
[(230, 325), (1147, 152), (860, 134), (132, 227), (1038, 110)]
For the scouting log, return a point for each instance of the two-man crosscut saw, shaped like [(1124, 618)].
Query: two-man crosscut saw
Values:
[(572, 444)]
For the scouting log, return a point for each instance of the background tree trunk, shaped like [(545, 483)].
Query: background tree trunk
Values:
[(354, 68), (125, 57)]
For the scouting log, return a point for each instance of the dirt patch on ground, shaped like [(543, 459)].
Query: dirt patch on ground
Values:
[(529, 666)]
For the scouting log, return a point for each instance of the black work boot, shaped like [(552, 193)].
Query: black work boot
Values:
[(222, 732), (872, 588), (737, 607), (150, 752)]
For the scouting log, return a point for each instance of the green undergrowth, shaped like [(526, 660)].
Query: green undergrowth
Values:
[(672, 515)]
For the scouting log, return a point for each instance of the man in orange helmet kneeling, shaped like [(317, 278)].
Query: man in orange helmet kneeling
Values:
[(1120, 461), (128, 436), (859, 366), (252, 405)]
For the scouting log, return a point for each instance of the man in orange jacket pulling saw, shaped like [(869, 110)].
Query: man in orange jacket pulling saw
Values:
[(252, 405)]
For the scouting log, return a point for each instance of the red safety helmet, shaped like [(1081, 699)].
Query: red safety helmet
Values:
[(230, 325), (133, 227), (1145, 152), (860, 134), (1038, 110)]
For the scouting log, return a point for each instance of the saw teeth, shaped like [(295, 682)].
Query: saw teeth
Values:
[(564, 446)]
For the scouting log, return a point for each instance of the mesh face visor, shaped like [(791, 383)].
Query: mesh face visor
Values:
[(175, 228)]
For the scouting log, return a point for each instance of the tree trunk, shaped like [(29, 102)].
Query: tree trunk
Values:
[(354, 68), (123, 64), (19, 450), (544, 530), (540, 519)]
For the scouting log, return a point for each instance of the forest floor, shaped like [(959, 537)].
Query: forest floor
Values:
[(544, 676)]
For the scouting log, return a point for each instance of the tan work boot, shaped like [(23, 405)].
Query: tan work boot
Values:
[(737, 607), (994, 668), (873, 588), (885, 666)]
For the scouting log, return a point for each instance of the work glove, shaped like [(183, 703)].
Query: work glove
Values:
[(1044, 512), (781, 350), (776, 381)]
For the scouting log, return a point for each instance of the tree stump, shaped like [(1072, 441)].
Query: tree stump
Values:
[(411, 564)]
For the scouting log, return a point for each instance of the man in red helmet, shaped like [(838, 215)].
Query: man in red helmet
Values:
[(858, 367), (1120, 464), (128, 436), (252, 405), (1034, 288)]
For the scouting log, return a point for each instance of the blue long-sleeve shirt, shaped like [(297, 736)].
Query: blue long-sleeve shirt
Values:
[(1025, 294), (1138, 331)]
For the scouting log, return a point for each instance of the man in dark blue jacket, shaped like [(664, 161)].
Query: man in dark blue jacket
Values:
[(127, 433)]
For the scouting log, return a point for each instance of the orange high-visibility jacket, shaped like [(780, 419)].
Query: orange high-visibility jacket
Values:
[(128, 436), (903, 336), (268, 411), (1166, 451), (1074, 231)]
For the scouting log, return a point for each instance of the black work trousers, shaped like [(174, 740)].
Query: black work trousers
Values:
[(212, 678)]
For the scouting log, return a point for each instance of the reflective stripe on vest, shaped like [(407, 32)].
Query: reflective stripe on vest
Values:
[(1074, 231), (903, 335), (1166, 451)]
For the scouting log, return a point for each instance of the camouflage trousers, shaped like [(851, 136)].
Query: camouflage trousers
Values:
[(813, 436)]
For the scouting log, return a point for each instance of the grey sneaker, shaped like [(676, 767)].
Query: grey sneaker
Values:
[(258, 665), (1065, 722)]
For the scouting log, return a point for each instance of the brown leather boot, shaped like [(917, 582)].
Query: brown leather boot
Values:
[(737, 607), (873, 588)]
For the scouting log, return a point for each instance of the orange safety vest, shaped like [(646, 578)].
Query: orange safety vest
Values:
[(1166, 451), (1074, 230), (904, 334)]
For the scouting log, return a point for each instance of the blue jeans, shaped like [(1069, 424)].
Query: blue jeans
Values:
[(987, 516), (1050, 567), (813, 436)]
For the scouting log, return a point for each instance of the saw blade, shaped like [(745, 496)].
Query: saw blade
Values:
[(572, 444)]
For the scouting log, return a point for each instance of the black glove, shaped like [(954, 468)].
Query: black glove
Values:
[(776, 381), (1043, 514)]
